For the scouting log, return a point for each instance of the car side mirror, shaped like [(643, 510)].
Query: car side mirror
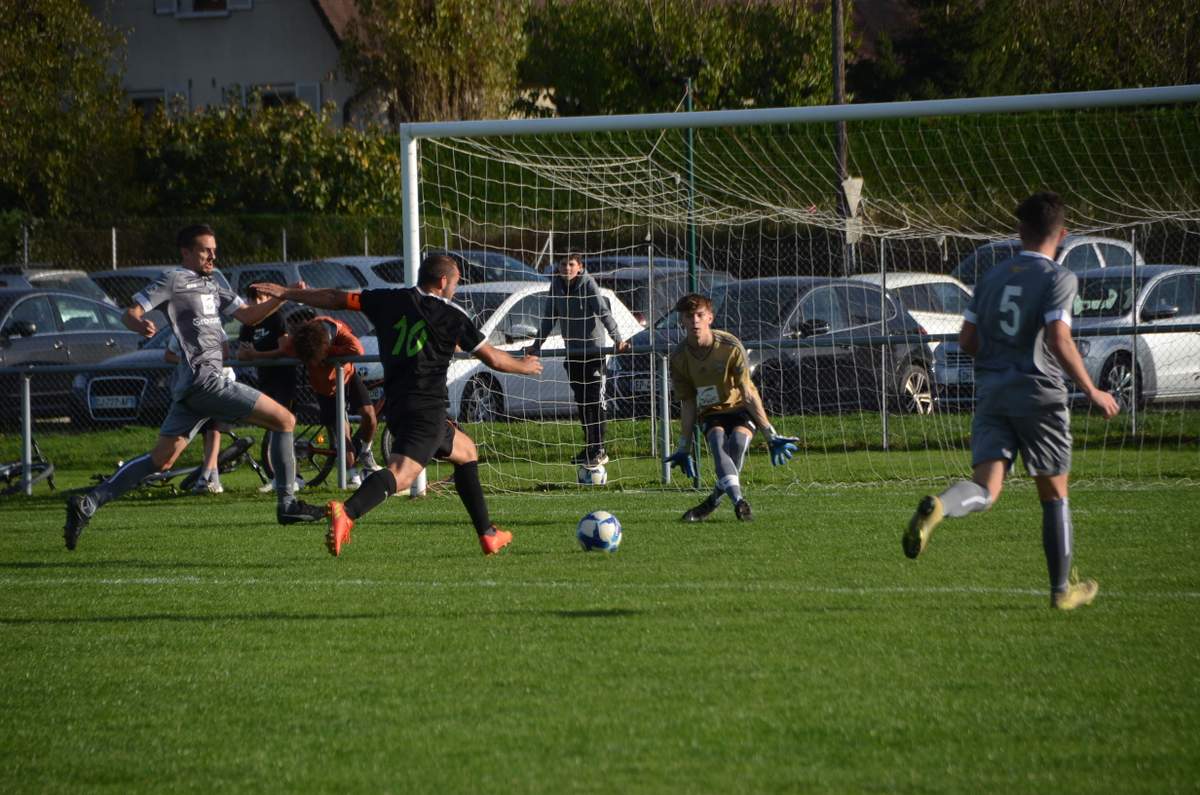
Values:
[(1159, 312), (20, 328), (813, 328)]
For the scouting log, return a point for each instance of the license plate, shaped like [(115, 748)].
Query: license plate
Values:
[(114, 402), (641, 385), (966, 375)]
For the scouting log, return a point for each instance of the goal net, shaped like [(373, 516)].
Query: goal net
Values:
[(846, 293)]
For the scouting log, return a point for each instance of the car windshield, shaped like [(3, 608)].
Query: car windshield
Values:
[(768, 303), (981, 261), (481, 305), (390, 271), (944, 297), (1105, 297), (499, 268)]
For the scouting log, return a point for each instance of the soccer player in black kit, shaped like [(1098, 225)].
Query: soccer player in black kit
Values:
[(419, 330)]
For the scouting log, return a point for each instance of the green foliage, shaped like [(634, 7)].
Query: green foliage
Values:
[(962, 48), (631, 56), (443, 60), (64, 122), (253, 159)]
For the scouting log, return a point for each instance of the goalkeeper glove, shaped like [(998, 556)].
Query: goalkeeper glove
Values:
[(682, 458), (782, 447)]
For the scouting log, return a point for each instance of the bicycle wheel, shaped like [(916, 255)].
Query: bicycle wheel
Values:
[(316, 455)]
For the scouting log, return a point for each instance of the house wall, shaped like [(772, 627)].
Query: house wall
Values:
[(279, 43)]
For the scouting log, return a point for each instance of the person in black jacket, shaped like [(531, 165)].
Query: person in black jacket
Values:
[(582, 314)]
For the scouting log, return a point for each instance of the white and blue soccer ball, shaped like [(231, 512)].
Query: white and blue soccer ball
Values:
[(599, 531), (592, 475)]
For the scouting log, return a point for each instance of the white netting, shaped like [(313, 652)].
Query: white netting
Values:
[(765, 207)]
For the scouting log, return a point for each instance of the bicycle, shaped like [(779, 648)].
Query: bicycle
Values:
[(316, 454), (229, 459), (40, 469)]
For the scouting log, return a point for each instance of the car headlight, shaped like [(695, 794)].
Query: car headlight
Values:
[(1084, 346)]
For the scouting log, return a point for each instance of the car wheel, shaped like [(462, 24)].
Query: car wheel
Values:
[(1119, 380), (482, 401), (915, 390)]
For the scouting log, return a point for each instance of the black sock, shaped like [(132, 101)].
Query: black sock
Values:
[(374, 490), (470, 491)]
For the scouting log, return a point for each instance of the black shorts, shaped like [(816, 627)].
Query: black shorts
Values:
[(356, 398), (728, 420), (422, 434), (279, 384)]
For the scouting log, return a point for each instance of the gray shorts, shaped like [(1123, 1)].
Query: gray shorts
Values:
[(1044, 441), (219, 399)]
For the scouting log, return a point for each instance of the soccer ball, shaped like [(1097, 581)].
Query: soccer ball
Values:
[(592, 475), (599, 530)]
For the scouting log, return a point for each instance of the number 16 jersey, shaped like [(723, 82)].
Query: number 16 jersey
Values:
[(1015, 372), (418, 335)]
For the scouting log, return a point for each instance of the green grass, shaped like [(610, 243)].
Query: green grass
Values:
[(191, 644)]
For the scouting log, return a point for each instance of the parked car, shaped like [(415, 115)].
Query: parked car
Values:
[(509, 314), (651, 294), (123, 283), (480, 265), (934, 300), (769, 314), (1077, 253), (317, 274), (62, 279), (601, 263), (140, 393), (1167, 362), (48, 327)]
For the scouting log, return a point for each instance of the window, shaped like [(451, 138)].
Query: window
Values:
[(524, 315), (824, 305), (35, 310), (949, 298), (390, 271), (1175, 291), (121, 288), (1082, 258), (79, 314), (247, 278), (112, 319), (862, 305), (330, 275), (1115, 255), (917, 297)]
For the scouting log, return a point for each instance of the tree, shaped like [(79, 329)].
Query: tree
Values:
[(965, 48), (631, 56), (63, 117), (437, 59)]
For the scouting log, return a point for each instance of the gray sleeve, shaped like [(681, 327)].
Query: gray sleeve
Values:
[(600, 309), (1060, 297), (157, 292), (228, 301)]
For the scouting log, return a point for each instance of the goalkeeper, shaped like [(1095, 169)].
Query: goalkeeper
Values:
[(711, 378)]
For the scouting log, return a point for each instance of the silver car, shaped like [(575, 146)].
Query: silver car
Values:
[(1168, 361)]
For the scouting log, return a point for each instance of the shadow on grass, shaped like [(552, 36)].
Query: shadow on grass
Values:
[(183, 618)]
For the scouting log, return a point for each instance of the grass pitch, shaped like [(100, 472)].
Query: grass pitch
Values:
[(191, 644)]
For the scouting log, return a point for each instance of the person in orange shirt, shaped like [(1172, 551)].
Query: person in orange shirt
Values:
[(316, 341)]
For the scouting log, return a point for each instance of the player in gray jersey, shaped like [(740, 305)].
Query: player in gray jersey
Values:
[(1018, 328), (195, 304)]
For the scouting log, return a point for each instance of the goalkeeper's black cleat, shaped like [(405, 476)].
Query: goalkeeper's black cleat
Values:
[(741, 510), (700, 512), (297, 511), (79, 513)]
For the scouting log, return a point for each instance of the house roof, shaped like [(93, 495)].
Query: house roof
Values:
[(336, 15)]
